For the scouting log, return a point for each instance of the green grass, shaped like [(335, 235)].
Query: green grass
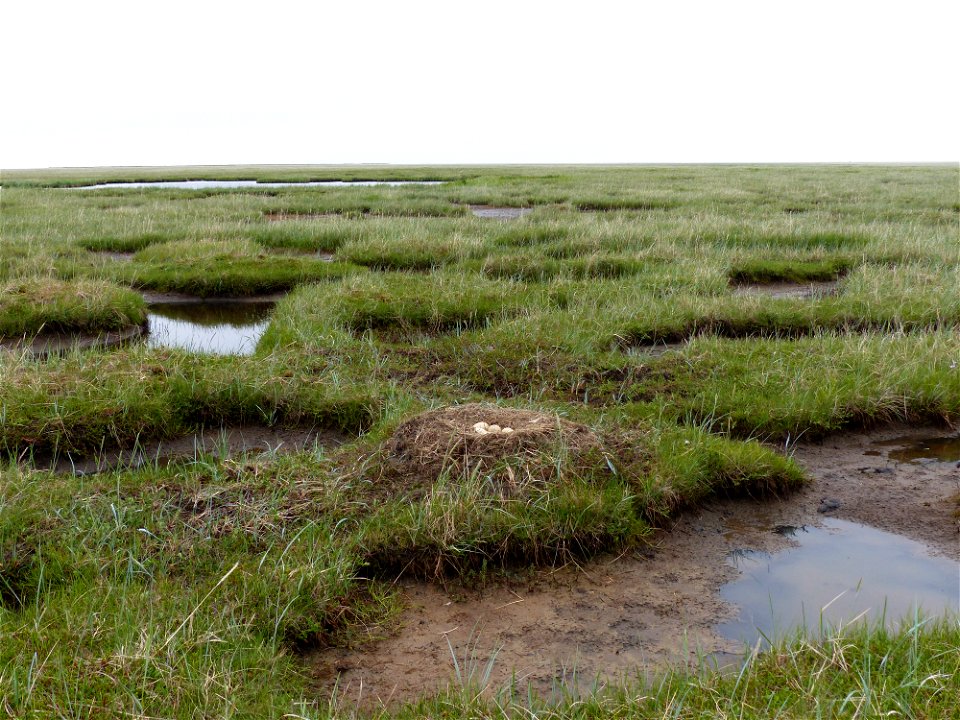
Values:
[(223, 268), (32, 306), (192, 590), (765, 271)]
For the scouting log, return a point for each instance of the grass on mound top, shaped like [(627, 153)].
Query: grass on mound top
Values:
[(208, 268), (31, 306)]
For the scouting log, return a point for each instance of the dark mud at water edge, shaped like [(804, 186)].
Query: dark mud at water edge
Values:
[(714, 584), (220, 442), (790, 290)]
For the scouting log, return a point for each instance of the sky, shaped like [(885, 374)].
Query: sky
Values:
[(89, 83)]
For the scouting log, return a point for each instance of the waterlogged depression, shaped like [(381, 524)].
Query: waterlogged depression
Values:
[(217, 327)]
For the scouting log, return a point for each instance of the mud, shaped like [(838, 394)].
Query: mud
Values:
[(50, 344), (493, 212), (811, 290), (222, 442), (867, 474), (579, 628)]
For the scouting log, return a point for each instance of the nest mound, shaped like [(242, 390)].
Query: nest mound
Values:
[(512, 448)]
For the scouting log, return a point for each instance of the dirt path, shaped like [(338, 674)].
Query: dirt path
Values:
[(617, 617)]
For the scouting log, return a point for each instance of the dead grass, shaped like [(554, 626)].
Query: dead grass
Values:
[(527, 451)]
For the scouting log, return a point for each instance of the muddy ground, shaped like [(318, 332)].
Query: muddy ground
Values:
[(224, 442), (582, 627), (809, 290), (48, 344)]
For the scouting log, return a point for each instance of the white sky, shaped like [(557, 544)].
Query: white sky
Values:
[(204, 82)]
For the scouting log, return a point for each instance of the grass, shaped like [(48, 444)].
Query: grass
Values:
[(194, 589), (37, 305)]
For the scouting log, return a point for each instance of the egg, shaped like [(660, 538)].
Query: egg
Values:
[(493, 428), (507, 430), (480, 426)]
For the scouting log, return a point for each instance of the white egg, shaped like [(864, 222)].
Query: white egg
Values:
[(482, 431), (493, 428), (479, 426), (507, 430)]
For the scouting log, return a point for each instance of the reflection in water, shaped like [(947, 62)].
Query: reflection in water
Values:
[(230, 184), (217, 327), (939, 449), (837, 574)]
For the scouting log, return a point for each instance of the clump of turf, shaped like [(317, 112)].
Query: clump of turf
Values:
[(209, 268), (518, 453), (797, 271), (28, 307)]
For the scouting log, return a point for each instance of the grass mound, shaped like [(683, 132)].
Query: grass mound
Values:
[(237, 268), (28, 307), (515, 449)]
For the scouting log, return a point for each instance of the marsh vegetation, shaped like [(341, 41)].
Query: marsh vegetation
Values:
[(638, 330)]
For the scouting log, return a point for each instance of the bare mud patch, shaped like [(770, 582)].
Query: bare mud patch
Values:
[(578, 629), (226, 442), (886, 479), (799, 291)]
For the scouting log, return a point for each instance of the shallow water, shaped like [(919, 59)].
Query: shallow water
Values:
[(835, 575), (219, 327), (232, 184), (936, 449)]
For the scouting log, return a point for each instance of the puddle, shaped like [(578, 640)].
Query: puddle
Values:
[(219, 327), (492, 212), (837, 574), (232, 184), (809, 290), (924, 450), (222, 442)]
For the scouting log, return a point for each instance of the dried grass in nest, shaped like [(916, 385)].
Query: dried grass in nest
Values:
[(444, 441)]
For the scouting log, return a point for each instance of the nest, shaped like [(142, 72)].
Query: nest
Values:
[(511, 449)]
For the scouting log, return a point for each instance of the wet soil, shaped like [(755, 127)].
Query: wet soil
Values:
[(867, 475), (49, 344), (180, 298), (493, 212), (580, 627), (810, 290), (222, 442)]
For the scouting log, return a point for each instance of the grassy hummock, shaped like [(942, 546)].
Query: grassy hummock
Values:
[(36, 305), (196, 588)]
